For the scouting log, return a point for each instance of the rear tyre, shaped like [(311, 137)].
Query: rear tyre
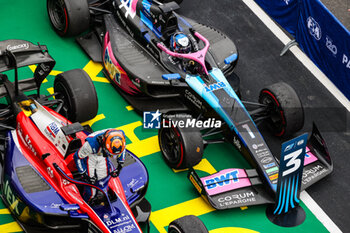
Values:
[(187, 224), (69, 17), (181, 147), (78, 93), (286, 114)]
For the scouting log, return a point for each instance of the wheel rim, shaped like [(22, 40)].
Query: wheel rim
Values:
[(58, 15), (62, 93), (276, 120), (171, 146)]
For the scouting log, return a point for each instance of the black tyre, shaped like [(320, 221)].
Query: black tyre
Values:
[(69, 17), (181, 147), (286, 114), (78, 93), (187, 224)]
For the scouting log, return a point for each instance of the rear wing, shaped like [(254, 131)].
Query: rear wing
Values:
[(19, 53)]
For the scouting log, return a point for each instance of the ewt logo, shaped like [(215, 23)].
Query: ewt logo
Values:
[(222, 180), (151, 120), (215, 86), (314, 28)]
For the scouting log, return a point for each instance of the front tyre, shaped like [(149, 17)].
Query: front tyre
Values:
[(284, 108), (187, 224), (78, 93), (69, 17), (181, 147)]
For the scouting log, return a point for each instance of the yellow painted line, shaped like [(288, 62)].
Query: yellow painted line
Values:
[(94, 120), (10, 227), (232, 230), (129, 130), (129, 108), (32, 68), (50, 90), (93, 69), (145, 147), (4, 211), (139, 147), (162, 218), (204, 165)]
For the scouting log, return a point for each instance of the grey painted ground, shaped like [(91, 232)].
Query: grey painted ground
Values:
[(340, 9)]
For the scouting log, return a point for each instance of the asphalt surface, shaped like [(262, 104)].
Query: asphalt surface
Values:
[(340, 9), (260, 65)]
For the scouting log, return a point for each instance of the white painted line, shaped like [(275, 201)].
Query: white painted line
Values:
[(319, 213), (298, 53)]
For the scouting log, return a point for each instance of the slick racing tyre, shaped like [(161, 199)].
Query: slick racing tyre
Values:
[(285, 111), (78, 93), (69, 17), (187, 224), (181, 147)]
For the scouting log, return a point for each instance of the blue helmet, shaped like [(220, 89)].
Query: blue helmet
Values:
[(180, 43)]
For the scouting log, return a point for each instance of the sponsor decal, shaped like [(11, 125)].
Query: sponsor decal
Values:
[(237, 143), (274, 177), (269, 165), (237, 199), (151, 120), (113, 71), (272, 170), (266, 160), (331, 46), (55, 206), (52, 130), (312, 173), (50, 172), (346, 61), (19, 46), (132, 183), (222, 180), (314, 28), (11, 198), (214, 86), (196, 185), (263, 153), (191, 97)]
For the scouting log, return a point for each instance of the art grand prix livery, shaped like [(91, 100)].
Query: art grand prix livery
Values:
[(39, 180), (135, 38)]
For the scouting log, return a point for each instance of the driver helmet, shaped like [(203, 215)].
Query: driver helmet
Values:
[(114, 144), (180, 43)]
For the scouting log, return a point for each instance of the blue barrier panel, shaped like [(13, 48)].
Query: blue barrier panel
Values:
[(285, 12), (326, 41), (320, 35)]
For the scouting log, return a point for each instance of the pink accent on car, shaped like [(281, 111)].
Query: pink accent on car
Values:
[(225, 180), (115, 71), (133, 5), (198, 56), (309, 157)]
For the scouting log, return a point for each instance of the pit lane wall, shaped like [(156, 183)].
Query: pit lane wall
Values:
[(319, 34)]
